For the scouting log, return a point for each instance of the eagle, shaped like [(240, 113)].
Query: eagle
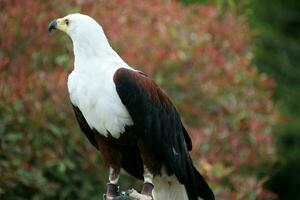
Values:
[(127, 117)]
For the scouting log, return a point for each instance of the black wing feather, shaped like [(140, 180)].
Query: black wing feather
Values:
[(159, 124), (89, 133)]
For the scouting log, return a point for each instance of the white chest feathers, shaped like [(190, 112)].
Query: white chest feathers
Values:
[(96, 97)]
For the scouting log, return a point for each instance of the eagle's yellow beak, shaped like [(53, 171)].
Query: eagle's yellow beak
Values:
[(60, 24)]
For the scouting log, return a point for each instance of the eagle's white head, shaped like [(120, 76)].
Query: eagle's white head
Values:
[(89, 40)]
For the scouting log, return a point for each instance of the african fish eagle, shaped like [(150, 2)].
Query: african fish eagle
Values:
[(128, 118)]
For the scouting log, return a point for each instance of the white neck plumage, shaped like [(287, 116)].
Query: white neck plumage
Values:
[(93, 47)]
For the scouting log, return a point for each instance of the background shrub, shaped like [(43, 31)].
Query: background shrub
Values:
[(198, 54)]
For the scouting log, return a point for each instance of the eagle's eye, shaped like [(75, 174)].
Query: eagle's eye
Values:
[(67, 22)]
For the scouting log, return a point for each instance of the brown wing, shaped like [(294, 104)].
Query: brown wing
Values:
[(159, 124)]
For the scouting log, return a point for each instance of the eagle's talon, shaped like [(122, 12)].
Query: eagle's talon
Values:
[(112, 191), (138, 196), (147, 189)]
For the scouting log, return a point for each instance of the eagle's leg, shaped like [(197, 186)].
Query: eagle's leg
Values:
[(112, 157), (151, 167), (148, 182), (112, 186)]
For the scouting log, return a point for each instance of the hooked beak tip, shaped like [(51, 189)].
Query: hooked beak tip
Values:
[(52, 25)]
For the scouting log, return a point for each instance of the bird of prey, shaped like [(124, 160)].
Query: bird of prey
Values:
[(128, 118)]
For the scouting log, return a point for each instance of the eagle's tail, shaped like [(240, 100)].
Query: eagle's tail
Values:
[(203, 189), (169, 188)]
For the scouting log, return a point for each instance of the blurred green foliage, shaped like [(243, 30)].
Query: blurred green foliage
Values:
[(192, 53), (277, 52), (276, 44)]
